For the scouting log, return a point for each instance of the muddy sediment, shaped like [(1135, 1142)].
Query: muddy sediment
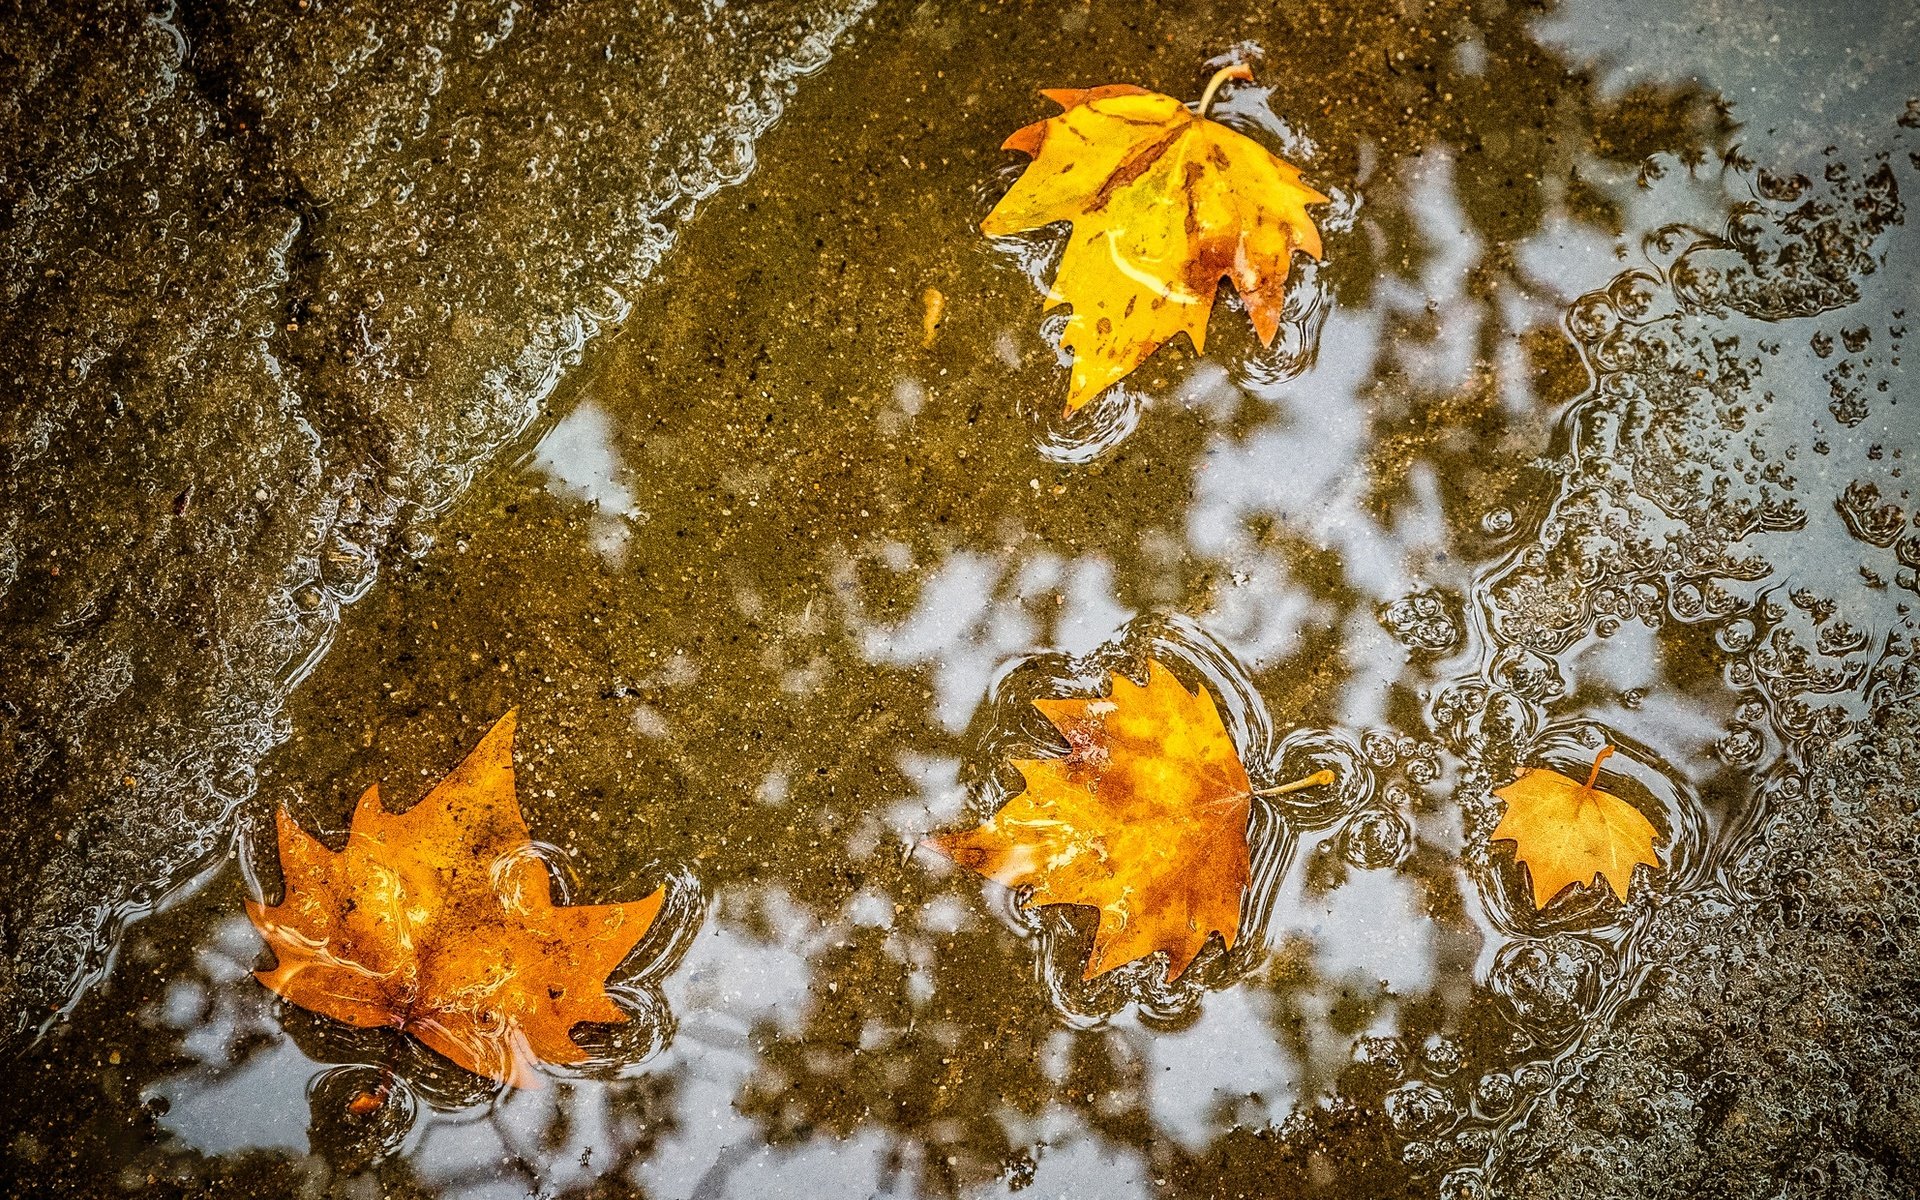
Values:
[(279, 277), (1770, 1050), (1593, 429)]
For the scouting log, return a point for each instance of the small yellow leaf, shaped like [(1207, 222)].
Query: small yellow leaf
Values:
[(1566, 832), (1164, 204)]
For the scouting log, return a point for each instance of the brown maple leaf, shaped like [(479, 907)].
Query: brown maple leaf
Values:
[(1144, 819), (1566, 833), (440, 921), (1164, 204)]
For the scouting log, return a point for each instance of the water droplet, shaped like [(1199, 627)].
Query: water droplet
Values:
[(361, 1115)]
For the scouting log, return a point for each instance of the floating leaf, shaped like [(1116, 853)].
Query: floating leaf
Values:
[(1164, 204), (1145, 819), (1567, 833), (440, 921)]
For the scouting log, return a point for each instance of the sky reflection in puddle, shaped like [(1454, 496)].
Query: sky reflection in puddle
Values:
[(580, 462), (1327, 546)]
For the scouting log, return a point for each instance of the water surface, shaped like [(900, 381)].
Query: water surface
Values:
[(1591, 430)]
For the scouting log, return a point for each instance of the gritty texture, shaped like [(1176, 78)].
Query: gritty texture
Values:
[(278, 277), (1772, 1051), (1604, 443)]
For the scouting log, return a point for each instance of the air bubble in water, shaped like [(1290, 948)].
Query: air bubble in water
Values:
[(1547, 984), (1381, 748), (1443, 1056), (1736, 636), (1466, 1183), (1375, 839), (1740, 747), (1426, 620), (1419, 1108), (1493, 1094), (360, 1114), (1384, 1055)]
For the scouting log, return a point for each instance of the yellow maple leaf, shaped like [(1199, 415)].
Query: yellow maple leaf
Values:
[(1566, 832), (1144, 819), (441, 922), (1164, 204)]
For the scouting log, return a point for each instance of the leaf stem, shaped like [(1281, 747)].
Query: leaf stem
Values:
[(1236, 71), (1317, 779), (1593, 777)]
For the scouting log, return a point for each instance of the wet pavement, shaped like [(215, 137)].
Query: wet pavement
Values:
[(1592, 429), (279, 280)]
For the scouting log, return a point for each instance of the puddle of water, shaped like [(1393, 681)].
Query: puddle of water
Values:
[(580, 463), (1568, 443), (286, 283)]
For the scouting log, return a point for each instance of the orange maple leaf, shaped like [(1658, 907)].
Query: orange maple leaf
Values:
[(1567, 833), (1144, 819), (1164, 204), (441, 922)]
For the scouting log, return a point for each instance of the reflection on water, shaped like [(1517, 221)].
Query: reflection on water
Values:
[(579, 460), (231, 1100), (1577, 438)]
